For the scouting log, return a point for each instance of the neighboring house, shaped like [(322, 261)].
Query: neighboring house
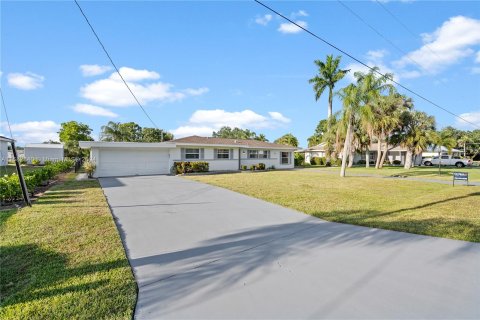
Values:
[(4, 141), (315, 151), (140, 158), (43, 152)]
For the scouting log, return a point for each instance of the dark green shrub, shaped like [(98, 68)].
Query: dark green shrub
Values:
[(396, 162), (253, 167), (337, 162), (47, 162), (299, 159), (261, 166), (244, 167), (315, 161), (190, 166)]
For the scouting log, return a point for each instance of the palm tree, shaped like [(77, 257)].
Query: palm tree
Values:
[(328, 75), (414, 134), (111, 132), (440, 139)]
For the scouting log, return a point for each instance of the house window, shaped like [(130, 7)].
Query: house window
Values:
[(285, 158), (192, 153), (222, 154), (258, 154)]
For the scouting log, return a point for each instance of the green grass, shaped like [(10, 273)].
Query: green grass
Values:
[(63, 258), (416, 172), (9, 169), (417, 207)]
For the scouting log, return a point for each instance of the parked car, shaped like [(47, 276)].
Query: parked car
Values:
[(447, 161)]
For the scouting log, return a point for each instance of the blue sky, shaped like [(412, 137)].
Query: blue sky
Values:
[(199, 65)]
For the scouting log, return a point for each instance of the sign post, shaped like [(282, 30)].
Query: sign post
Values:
[(462, 176)]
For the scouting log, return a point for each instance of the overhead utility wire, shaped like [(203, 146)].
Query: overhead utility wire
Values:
[(366, 65), (114, 65), (6, 114), (404, 26), (379, 33)]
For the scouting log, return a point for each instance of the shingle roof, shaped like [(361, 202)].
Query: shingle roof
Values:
[(230, 142)]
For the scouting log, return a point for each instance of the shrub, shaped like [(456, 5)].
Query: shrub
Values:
[(47, 162), (253, 167), (243, 167), (299, 159), (396, 162), (190, 166), (10, 184), (89, 167), (337, 162), (261, 166), (23, 161), (35, 162), (361, 162)]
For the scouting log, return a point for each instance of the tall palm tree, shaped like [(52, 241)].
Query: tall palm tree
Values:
[(328, 75)]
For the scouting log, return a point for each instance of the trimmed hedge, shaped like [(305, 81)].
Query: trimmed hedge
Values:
[(10, 189), (190, 166)]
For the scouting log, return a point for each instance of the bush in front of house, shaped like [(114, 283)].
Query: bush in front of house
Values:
[(261, 166), (253, 167), (23, 161), (318, 161), (89, 167), (396, 162), (243, 167), (182, 167), (47, 162), (10, 189), (299, 159), (35, 162)]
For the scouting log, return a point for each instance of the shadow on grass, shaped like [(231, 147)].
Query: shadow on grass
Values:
[(29, 272)]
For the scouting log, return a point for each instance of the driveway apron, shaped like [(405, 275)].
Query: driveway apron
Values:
[(200, 251)]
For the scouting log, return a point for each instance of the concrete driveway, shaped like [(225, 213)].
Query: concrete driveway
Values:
[(200, 251)]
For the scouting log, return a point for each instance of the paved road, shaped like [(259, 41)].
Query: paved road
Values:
[(200, 251)]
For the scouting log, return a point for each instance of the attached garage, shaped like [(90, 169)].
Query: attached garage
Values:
[(129, 159)]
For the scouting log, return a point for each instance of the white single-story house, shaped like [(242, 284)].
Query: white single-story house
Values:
[(4, 141), (314, 151), (142, 158), (432, 152), (43, 152)]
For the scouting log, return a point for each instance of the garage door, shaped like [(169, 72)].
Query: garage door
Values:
[(131, 162)]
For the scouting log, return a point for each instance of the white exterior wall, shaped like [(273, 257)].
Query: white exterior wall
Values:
[(208, 156), (274, 159), (3, 153), (42, 154)]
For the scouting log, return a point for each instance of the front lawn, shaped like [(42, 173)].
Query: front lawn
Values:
[(411, 206), (63, 258), (415, 172)]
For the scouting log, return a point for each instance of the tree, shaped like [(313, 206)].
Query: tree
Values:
[(111, 132), (288, 140), (155, 135), (237, 133), (328, 75), (71, 133), (320, 131), (131, 132), (439, 139), (414, 134)]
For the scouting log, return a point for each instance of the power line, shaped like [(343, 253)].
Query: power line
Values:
[(364, 64), (404, 26), (379, 33), (115, 66), (6, 114)]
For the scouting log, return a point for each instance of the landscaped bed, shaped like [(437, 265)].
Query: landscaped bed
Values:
[(411, 206), (63, 258)]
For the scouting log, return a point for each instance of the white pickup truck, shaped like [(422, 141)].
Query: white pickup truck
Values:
[(447, 161)]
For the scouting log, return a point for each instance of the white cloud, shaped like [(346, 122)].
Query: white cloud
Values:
[(473, 117), (93, 110), (279, 117), (263, 20), (204, 122), (447, 45), (299, 13), (113, 92), (288, 27), (25, 81), (89, 70), (374, 58), (33, 131)]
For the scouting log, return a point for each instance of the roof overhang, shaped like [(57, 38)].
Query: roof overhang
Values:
[(105, 144)]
